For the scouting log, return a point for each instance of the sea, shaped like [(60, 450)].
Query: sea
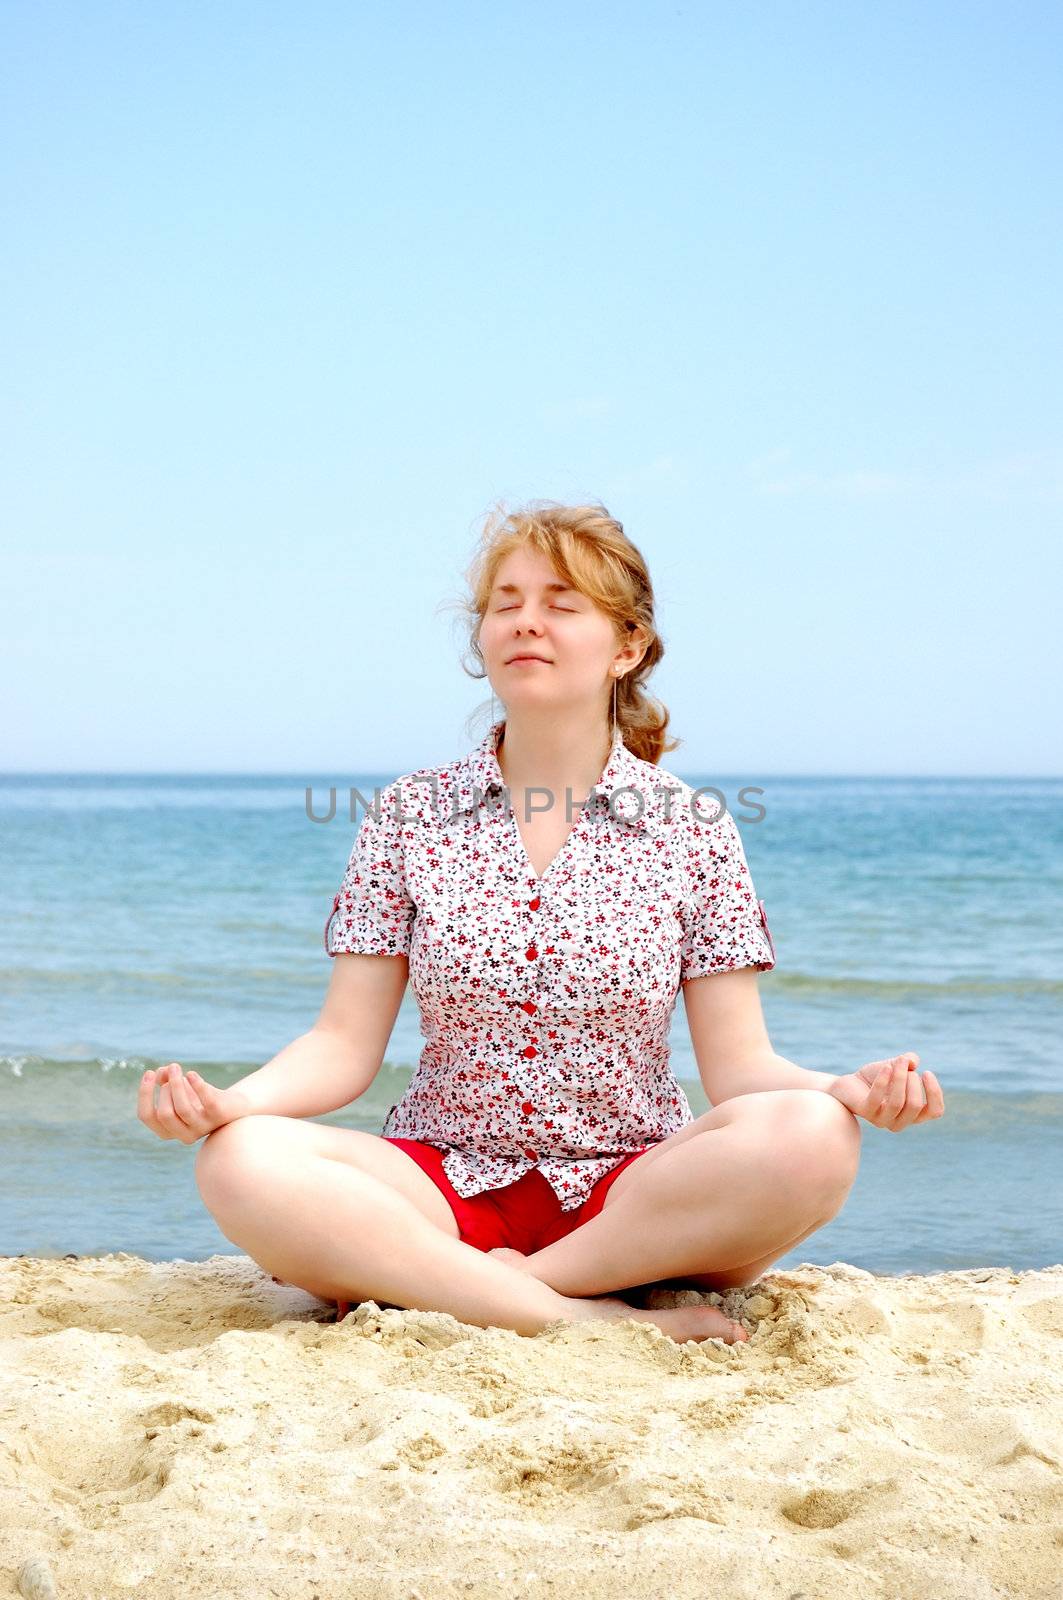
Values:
[(155, 918)]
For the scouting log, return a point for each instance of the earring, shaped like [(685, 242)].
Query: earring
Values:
[(615, 681)]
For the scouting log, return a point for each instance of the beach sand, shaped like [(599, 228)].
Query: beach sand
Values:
[(193, 1429)]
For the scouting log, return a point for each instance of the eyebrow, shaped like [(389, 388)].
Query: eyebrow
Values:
[(513, 588)]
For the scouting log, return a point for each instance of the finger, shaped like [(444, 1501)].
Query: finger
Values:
[(201, 1090), (146, 1101), (185, 1103), (914, 1101), (878, 1108), (880, 1094), (162, 1109), (874, 1086), (876, 1097), (897, 1090), (167, 1113), (869, 1072), (184, 1095), (193, 1124), (164, 1074), (935, 1100)]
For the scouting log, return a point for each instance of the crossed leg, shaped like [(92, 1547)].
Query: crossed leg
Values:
[(714, 1204), (348, 1216)]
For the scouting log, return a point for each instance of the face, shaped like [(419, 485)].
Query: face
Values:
[(529, 613)]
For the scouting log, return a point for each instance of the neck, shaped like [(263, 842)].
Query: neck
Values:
[(553, 753)]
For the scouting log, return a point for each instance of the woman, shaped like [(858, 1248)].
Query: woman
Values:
[(547, 896)]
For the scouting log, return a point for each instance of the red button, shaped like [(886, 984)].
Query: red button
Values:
[(529, 1051), (534, 1154), (527, 1108), (529, 1006), (531, 952), (534, 904)]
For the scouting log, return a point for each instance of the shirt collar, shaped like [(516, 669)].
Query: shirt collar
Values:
[(481, 775)]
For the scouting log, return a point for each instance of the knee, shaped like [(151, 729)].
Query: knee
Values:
[(828, 1137), (229, 1154), (819, 1140)]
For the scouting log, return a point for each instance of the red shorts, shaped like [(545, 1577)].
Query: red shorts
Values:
[(524, 1216)]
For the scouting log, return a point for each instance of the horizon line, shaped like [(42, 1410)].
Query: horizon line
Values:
[(147, 772)]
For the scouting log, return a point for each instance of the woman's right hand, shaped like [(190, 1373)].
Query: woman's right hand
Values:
[(188, 1107)]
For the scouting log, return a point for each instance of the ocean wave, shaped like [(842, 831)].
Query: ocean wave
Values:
[(913, 988), (172, 978), (985, 1112)]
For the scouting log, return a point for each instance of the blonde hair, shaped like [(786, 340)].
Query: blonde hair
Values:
[(590, 550)]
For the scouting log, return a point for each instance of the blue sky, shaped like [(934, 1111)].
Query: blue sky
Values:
[(292, 293)]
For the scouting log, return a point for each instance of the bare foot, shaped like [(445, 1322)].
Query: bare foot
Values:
[(679, 1322)]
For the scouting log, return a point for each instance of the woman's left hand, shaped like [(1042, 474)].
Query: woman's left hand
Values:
[(891, 1094)]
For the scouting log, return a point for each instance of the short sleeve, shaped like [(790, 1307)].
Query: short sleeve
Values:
[(724, 924), (373, 913)]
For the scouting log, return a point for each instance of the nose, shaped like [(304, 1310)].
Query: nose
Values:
[(523, 626)]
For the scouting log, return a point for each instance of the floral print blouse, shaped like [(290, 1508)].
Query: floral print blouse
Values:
[(546, 1002)]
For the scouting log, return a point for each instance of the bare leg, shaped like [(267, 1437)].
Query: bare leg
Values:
[(742, 1276), (739, 1277), (768, 1169), (340, 1233)]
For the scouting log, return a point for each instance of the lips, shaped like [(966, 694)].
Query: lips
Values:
[(512, 659)]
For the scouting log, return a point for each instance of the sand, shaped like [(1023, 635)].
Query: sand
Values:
[(194, 1429)]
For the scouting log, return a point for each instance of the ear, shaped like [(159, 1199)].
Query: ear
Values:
[(636, 646)]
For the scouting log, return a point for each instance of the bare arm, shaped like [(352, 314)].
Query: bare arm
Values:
[(337, 1059), (730, 1039)]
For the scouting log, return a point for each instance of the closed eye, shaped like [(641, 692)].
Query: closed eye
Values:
[(572, 609)]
